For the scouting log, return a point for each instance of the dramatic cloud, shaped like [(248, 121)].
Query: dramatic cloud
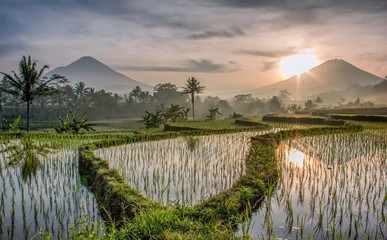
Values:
[(12, 47), (236, 32), (203, 65), (271, 54), (359, 5), (267, 66), (245, 39)]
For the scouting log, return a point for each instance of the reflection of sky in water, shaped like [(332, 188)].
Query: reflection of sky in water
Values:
[(51, 201), (183, 170), (295, 156), (331, 185)]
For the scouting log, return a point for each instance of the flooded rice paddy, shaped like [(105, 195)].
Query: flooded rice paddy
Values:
[(49, 200), (330, 187), (184, 170)]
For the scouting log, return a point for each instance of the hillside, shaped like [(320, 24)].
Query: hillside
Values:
[(379, 91), (332, 75), (98, 75)]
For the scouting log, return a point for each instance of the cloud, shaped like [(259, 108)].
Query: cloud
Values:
[(376, 56), (12, 47), (147, 13), (271, 54), (359, 5), (202, 65), (268, 65), (247, 3), (235, 32), (162, 32)]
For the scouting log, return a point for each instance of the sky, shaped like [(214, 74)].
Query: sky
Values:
[(227, 45)]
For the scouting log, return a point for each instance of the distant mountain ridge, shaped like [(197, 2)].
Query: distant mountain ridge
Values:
[(380, 91), (332, 75), (98, 75)]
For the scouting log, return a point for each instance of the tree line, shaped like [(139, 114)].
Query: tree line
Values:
[(34, 96)]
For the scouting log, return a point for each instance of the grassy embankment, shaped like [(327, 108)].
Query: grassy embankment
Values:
[(132, 216)]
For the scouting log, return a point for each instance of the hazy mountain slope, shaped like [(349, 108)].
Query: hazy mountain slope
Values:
[(332, 75), (98, 75), (379, 92), (380, 88)]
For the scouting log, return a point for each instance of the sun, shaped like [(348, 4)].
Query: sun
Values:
[(297, 64)]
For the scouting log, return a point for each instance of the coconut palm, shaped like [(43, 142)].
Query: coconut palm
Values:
[(30, 83), (135, 93), (193, 87), (81, 89)]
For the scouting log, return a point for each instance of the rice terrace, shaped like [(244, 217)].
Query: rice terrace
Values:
[(193, 120), (246, 178)]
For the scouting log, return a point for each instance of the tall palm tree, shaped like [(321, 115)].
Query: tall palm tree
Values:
[(191, 87), (81, 89), (31, 83), (136, 93)]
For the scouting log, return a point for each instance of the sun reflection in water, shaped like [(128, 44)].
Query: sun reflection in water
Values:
[(295, 156)]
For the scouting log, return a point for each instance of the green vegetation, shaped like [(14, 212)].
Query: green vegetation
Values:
[(358, 111), (152, 120), (116, 125), (363, 118), (219, 211), (129, 215), (223, 210), (212, 112), (30, 83), (226, 124), (165, 115), (73, 126), (193, 87), (175, 113), (35, 171), (13, 127), (303, 120), (337, 180)]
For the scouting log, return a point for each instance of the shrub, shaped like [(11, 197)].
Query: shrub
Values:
[(13, 127), (73, 126), (152, 120)]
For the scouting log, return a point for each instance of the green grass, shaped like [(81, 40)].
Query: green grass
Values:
[(114, 125), (210, 125), (372, 125), (215, 218), (350, 115), (149, 130), (297, 115)]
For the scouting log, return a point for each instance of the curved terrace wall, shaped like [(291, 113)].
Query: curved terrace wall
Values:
[(118, 201)]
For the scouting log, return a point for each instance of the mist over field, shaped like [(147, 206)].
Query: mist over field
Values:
[(183, 119)]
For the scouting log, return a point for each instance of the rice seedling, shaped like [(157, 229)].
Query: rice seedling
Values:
[(184, 170), (334, 185), (44, 201)]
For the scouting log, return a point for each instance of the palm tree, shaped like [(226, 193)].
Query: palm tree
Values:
[(191, 87), (81, 89), (136, 93), (31, 83)]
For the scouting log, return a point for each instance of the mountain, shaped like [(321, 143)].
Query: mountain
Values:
[(332, 75), (98, 75), (380, 88), (379, 91)]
